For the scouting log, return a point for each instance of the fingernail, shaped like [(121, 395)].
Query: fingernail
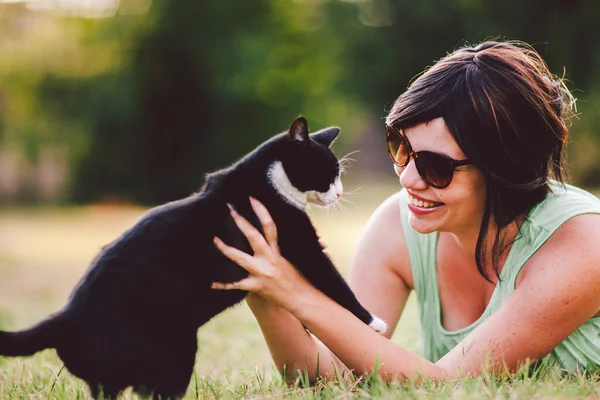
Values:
[(230, 207), (254, 202), (216, 240)]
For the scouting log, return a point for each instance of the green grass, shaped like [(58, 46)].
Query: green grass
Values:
[(44, 252)]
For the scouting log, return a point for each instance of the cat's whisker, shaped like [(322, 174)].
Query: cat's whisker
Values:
[(347, 156), (339, 205), (345, 161), (349, 202), (344, 164), (330, 207), (353, 192)]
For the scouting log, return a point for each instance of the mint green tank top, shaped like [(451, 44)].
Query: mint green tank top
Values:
[(579, 350)]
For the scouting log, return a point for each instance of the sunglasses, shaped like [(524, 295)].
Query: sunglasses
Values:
[(435, 169)]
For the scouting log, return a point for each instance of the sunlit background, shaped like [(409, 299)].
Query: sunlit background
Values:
[(108, 107), (133, 101)]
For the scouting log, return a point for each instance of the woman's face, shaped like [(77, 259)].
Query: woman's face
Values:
[(457, 208)]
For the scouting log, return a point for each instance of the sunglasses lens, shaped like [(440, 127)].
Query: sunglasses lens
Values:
[(436, 170), (397, 147)]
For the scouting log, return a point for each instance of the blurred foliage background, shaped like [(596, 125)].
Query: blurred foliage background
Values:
[(135, 100)]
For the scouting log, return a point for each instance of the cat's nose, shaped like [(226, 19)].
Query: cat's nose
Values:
[(339, 188)]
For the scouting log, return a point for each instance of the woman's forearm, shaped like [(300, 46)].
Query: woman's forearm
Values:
[(359, 347), (349, 339), (292, 348)]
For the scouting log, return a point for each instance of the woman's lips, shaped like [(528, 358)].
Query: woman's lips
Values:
[(421, 206)]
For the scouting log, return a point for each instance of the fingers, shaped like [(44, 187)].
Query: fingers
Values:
[(266, 221), (242, 259), (255, 238), (244, 284), (265, 250)]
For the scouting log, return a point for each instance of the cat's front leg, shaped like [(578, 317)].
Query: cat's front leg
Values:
[(319, 270)]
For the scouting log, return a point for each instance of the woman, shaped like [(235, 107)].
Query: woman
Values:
[(504, 257)]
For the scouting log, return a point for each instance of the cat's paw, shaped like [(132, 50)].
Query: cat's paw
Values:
[(378, 324)]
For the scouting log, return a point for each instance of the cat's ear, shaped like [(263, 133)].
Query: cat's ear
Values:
[(299, 130), (326, 136)]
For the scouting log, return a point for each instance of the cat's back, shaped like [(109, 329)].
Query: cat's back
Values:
[(156, 241)]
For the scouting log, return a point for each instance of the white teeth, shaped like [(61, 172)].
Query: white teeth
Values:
[(421, 203)]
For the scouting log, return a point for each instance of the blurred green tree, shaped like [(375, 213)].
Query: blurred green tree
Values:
[(195, 77), (147, 104)]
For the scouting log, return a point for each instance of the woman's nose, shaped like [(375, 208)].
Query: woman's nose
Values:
[(409, 176)]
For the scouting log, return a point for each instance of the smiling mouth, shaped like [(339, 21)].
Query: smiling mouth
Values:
[(423, 204)]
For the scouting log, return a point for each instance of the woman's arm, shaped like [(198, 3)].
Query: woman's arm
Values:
[(378, 279), (380, 275), (292, 348), (556, 294), (271, 276), (360, 348)]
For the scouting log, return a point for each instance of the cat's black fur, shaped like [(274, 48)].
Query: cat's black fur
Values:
[(133, 318)]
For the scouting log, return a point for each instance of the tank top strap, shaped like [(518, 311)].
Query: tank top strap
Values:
[(563, 203)]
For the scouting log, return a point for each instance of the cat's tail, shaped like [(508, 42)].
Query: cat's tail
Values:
[(44, 335)]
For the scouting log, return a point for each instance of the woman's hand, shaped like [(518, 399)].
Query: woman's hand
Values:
[(270, 275)]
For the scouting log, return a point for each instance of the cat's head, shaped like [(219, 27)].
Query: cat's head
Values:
[(306, 170)]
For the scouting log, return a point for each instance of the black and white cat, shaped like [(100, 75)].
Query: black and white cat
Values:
[(132, 319)]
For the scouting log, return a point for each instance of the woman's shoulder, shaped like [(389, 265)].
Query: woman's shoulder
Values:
[(565, 191), (571, 246), (567, 220), (563, 203), (389, 222), (386, 220), (383, 239)]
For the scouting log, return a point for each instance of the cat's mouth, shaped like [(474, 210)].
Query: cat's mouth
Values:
[(331, 196), (320, 199)]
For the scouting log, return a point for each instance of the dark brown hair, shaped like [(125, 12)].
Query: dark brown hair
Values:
[(505, 110)]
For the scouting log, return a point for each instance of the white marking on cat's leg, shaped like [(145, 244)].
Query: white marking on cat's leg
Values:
[(280, 181), (378, 325)]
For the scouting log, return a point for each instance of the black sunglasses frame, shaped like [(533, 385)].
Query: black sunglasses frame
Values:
[(415, 155)]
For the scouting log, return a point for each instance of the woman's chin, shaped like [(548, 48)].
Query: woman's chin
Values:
[(421, 226)]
